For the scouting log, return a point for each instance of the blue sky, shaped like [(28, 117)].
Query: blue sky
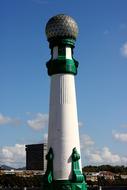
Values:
[(101, 83)]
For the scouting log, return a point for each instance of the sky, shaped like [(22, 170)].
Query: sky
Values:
[(101, 83)]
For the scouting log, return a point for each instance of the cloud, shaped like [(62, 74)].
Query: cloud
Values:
[(110, 157), (80, 124), (104, 156), (45, 137), (123, 50), (39, 122), (124, 126), (86, 141), (5, 120), (13, 155), (122, 137), (106, 32), (93, 155)]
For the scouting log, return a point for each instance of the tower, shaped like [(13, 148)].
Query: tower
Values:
[(64, 171)]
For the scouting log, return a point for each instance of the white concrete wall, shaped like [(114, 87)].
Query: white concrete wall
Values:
[(63, 133), (68, 53)]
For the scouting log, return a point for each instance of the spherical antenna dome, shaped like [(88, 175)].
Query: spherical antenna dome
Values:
[(61, 26)]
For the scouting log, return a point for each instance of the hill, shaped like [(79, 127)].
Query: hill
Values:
[(4, 167)]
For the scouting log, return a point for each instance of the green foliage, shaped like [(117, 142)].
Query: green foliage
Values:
[(13, 181), (113, 169)]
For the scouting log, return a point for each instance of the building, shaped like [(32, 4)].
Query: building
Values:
[(22, 173), (107, 175), (92, 176), (36, 156)]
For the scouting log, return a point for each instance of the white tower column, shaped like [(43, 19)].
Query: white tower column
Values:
[(63, 133), (64, 170)]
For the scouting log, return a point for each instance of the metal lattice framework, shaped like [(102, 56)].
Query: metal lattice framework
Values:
[(61, 26)]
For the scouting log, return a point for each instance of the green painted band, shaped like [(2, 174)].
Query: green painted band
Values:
[(61, 65), (62, 41)]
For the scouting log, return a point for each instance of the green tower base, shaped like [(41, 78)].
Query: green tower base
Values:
[(65, 185), (76, 183)]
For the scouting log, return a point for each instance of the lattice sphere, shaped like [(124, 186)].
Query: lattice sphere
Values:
[(61, 26)]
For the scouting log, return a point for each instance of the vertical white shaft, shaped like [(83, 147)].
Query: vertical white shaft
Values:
[(63, 134)]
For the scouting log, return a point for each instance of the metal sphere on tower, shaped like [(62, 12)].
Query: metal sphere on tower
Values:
[(61, 26)]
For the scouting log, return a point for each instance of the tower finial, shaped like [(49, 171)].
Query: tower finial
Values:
[(61, 26)]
